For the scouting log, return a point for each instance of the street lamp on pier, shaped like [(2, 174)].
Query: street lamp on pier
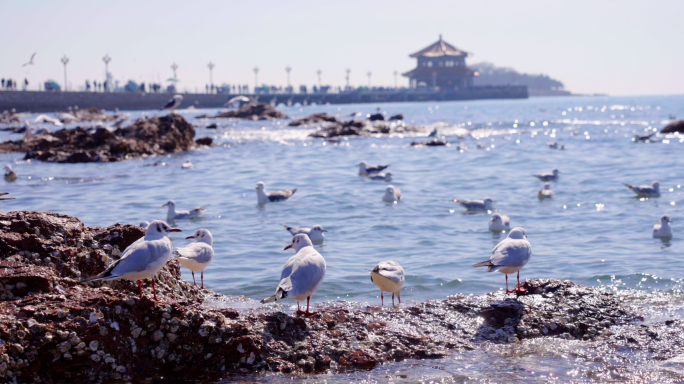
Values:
[(211, 76), (106, 60), (395, 79), (65, 61), (318, 72), (256, 78), (288, 69), (369, 80), (348, 71)]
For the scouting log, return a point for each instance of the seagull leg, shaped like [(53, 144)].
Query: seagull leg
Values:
[(140, 288), (202, 273), (382, 299), (307, 307), (193, 277), (520, 289), (154, 290), (299, 310), (399, 296), (393, 299), (507, 290)]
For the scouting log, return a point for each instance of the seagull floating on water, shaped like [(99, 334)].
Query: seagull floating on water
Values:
[(553, 176), (187, 165), (302, 275), (499, 222), (270, 197), (174, 103), (197, 256), (509, 256), (315, 233), (142, 259), (382, 177), (476, 205), (389, 277), (552, 145), (10, 175), (663, 227), (172, 214), (546, 193), (365, 169), (392, 194), (652, 190)]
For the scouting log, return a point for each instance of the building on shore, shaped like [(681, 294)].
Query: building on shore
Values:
[(442, 67)]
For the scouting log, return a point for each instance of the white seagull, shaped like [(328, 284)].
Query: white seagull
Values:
[(173, 103), (315, 233), (652, 190), (302, 274), (499, 222), (30, 61), (142, 259), (382, 177), (476, 205), (663, 227), (392, 194), (365, 169), (509, 256), (10, 175), (187, 165), (270, 197), (546, 193), (553, 176), (197, 256), (389, 277), (47, 119), (172, 214)]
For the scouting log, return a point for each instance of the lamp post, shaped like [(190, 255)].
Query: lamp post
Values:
[(395, 79), (256, 78), (348, 71), (369, 80), (106, 60), (174, 67), (288, 69), (65, 61), (211, 76), (318, 72)]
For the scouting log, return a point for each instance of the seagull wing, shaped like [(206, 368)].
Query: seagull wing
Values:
[(391, 270), (510, 253), (280, 195), (199, 252)]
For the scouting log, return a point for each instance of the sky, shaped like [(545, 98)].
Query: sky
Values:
[(616, 47)]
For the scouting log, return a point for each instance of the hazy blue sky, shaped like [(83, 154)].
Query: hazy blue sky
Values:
[(616, 47)]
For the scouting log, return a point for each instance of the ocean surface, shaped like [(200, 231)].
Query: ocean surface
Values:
[(594, 232)]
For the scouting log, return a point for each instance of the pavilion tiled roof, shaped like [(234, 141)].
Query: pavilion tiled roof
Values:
[(440, 48), (464, 71)]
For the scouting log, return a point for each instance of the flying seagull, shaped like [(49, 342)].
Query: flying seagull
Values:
[(30, 61)]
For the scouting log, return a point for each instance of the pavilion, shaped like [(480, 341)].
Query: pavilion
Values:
[(441, 66)]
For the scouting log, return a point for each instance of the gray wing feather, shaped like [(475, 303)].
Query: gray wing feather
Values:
[(200, 252)]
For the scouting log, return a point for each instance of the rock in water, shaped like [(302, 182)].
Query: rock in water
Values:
[(314, 119), (159, 135), (396, 117), (675, 126), (430, 143), (376, 117), (252, 111)]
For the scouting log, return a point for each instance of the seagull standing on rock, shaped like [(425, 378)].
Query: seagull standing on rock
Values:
[(509, 256), (663, 229), (173, 103), (270, 197), (172, 214), (142, 259), (392, 194), (476, 205), (302, 275), (197, 256), (553, 176), (389, 277), (315, 233), (652, 190), (365, 169), (499, 223)]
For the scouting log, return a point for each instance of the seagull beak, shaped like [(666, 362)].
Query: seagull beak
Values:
[(165, 205), (175, 230), (288, 247), (190, 237), (325, 230)]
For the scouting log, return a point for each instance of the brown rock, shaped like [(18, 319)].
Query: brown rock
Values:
[(254, 111), (675, 126), (313, 119)]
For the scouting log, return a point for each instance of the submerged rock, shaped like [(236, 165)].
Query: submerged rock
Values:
[(430, 143), (675, 126), (159, 135), (360, 128), (396, 117), (313, 119), (252, 111), (376, 117)]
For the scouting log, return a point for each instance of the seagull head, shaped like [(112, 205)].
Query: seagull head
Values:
[(362, 165), (318, 228), (178, 97), (666, 219), (389, 191), (159, 228), (202, 236), (555, 172), (488, 201), (170, 204), (656, 184), (299, 241), (517, 234), (144, 224), (496, 218), (260, 186), (388, 176)]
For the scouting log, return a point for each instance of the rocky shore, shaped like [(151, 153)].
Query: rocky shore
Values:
[(675, 126), (159, 135), (254, 111), (361, 128), (55, 329)]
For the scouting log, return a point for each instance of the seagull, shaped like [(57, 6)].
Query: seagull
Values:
[(389, 277), (476, 205), (365, 169), (173, 103), (187, 165), (552, 145), (237, 100), (644, 137), (270, 197), (30, 61), (553, 176), (144, 224), (142, 259), (5, 198), (47, 119), (392, 194), (652, 190), (302, 274), (382, 177), (10, 175), (663, 228), (499, 222), (172, 214), (315, 233), (197, 256), (433, 134), (546, 193), (509, 256)]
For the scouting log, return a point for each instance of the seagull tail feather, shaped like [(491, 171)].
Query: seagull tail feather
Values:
[(629, 186), (487, 263), (286, 227), (281, 294), (293, 191)]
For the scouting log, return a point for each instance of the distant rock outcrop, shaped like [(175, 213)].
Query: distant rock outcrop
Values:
[(159, 135), (430, 143), (675, 126), (361, 128), (252, 111), (313, 119)]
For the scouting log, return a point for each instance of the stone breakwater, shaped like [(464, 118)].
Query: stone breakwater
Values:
[(146, 137), (55, 329)]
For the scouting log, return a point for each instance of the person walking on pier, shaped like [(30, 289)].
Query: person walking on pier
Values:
[(26, 83), (87, 86)]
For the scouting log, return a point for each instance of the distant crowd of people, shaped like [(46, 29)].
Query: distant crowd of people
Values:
[(12, 85)]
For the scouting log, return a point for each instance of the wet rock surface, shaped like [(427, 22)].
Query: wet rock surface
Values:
[(159, 135), (254, 111), (313, 119), (56, 329), (9, 117), (430, 143), (86, 115), (675, 126), (361, 128)]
